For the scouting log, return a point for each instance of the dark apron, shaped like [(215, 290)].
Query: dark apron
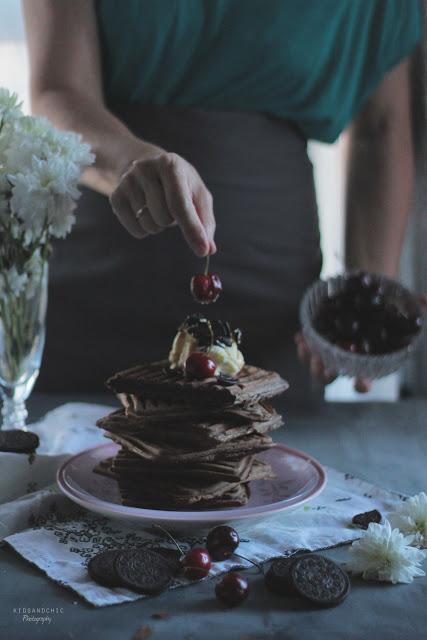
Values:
[(116, 301)]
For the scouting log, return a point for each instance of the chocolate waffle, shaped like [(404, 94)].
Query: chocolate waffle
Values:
[(128, 464), (197, 431), (156, 381)]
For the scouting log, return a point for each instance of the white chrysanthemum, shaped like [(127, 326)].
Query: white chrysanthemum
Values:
[(411, 518), (10, 109), (12, 282), (70, 145), (35, 136), (62, 219), (385, 554), (44, 198), (30, 203), (20, 154)]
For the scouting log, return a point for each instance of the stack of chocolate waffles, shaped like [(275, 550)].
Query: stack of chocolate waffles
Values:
[(189, 444)]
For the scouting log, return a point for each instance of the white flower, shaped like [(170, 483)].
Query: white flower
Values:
[(44, 198), (40, 167), (35, 137), (10, 109), (12, 282), (62, 218), (70, 145), (30, 203), (385, 554), (411, 518)]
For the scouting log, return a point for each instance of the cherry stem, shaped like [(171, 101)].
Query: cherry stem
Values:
[(207, 265), (258, 566), (169, 535)]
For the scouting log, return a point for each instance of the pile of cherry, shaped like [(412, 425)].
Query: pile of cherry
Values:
[(361, 319)]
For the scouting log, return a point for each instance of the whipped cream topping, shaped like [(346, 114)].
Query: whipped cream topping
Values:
[(199, 334)]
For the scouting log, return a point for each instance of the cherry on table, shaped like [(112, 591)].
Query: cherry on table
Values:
[(198, 365), (206, 287), (232, 590), (222, 542), (196, 564)]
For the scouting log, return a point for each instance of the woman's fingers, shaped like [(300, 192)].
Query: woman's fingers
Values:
[(147, 223), (307, 357), (155, 199), (203, 202), (163, 190), (316, 368), (304, 353), (180, 203), (124, 211), (131, 189)]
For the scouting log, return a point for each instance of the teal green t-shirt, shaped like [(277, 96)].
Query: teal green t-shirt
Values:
[(314, 62)]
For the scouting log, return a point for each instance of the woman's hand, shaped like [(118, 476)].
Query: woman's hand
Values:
[(318, 371), (160, 190)]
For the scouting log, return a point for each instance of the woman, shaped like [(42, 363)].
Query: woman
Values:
[(199, 112)]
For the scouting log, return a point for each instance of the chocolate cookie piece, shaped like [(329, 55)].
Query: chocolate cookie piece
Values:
[(17, 441), (102, 568), (144, 571), (363, 520), (277, 578), (319, 579)]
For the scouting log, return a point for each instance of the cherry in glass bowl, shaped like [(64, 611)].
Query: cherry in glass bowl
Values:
[(361, 324)]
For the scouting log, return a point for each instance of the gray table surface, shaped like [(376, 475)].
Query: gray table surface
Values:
[(383, 443)]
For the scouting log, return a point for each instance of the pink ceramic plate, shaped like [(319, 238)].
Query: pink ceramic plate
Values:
[(299, 478)]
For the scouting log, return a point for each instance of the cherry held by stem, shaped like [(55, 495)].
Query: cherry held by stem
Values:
[(206, 287)]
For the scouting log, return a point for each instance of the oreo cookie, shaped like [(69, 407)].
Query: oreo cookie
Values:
[(144, 571), (277, 578), (102, 569), (319, 580), (226, 380), (363, 520), (18, 441)]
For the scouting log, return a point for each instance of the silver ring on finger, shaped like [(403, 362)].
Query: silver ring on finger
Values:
[(140, 211)]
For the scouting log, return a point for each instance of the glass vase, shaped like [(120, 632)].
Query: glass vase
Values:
[(22, 335)]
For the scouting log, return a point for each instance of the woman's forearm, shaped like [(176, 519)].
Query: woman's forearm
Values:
[(379, 191), (112, 142), (380, 176)]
